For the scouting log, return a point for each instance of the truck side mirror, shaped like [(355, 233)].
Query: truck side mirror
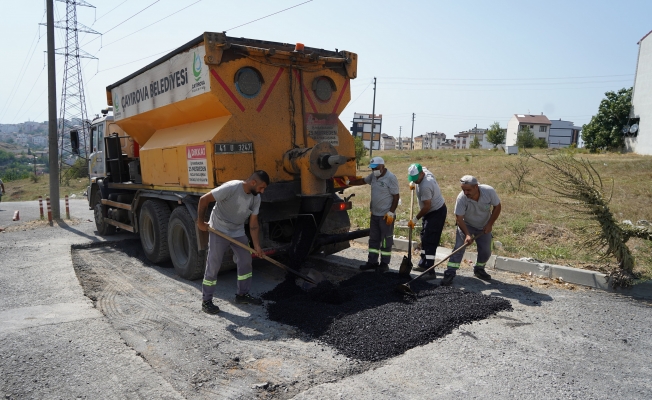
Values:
[(74, 141)]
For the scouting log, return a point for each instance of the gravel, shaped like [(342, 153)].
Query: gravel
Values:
[(365, 318)]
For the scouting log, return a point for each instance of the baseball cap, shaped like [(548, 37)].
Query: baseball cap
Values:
[(469, 180), (376, 161), (413, 172)]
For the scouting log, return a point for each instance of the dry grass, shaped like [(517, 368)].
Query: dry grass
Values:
[(528, 226), (25, 189)]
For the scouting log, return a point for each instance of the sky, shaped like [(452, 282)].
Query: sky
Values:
[(455, 64)]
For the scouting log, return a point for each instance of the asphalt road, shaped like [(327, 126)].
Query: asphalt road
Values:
[(101, 322)]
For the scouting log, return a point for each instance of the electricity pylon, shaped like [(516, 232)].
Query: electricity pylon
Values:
[(73, 126)]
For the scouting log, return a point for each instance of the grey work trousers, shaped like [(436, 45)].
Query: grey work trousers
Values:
[(484, 243), (381, 239), (217, 246)]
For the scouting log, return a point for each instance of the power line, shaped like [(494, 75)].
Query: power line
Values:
[(503, 84), (506, 79), (154, 23), (258, 19), (115, 26), (23, 68), (365, 89), (28, 93)]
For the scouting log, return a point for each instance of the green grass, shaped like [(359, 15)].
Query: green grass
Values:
[(528, 226), (26, 189)]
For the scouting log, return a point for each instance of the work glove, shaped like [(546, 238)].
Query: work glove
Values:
[(389, 217), (412, 185), (412, 223)]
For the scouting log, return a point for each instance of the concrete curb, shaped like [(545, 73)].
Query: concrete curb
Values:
[(575, 276)]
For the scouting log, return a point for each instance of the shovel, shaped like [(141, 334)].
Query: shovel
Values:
[(405, 287), (406, 264), (314, 279)]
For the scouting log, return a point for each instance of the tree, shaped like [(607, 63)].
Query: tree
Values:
[(475, 144), (605, 129), (541, 143), (360, 151), (525, 139), (496, 134)]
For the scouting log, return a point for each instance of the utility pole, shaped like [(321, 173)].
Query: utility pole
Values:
[(373, 119), (52, 115), (400, 144), (412, 135)]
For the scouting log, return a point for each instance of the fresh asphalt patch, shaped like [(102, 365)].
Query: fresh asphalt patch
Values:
[(365, 318)]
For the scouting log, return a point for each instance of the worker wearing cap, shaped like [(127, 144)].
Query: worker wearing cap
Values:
[(432, 208), (384, 200), (476, 209), (235, 202)]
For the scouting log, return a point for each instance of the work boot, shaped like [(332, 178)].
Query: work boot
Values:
[(247, 299), (209, 308), (382, 267), (481, 273), (368, 266), (448, 277)]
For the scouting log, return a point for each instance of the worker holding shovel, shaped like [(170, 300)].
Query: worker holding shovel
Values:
[(384, 200), (432, 208), (475, 217), (235, 202)]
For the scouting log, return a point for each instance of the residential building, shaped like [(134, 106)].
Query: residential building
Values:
[(418, 142), (563, 134), (403, 144), (387, 142), (462, 140), (435, 139), (467, 137), (40, 140), (362, 124), (639, 136), (448, 144), (538, 124)]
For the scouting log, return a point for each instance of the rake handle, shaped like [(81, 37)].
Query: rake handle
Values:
[(265, 256), (462, 247)]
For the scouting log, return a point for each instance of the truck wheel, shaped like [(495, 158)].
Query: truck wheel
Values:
[(103, 228), (153, 228), (188, 262)]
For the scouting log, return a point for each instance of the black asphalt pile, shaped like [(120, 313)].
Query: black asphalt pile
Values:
[(365, 318)]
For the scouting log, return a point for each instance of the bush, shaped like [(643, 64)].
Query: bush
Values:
[(525, 139), (541, 143)]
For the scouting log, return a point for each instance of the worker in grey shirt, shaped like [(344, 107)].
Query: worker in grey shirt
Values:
[(235, 202), (474, 216), (432, 208), (384, 200)]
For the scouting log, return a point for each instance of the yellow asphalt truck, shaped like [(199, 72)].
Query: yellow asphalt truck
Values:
[(217, 109)]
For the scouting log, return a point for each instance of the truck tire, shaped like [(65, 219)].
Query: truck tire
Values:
[(153, 229), (188, 261), (103, 228)]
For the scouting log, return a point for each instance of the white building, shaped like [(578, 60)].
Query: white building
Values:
[(387, 142), (40, 140), (362, 128), (563, 134), (639, 138), (436, 139), (465, 138), (538, 124)]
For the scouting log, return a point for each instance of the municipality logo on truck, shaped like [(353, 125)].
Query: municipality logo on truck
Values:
[(162, 85)]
